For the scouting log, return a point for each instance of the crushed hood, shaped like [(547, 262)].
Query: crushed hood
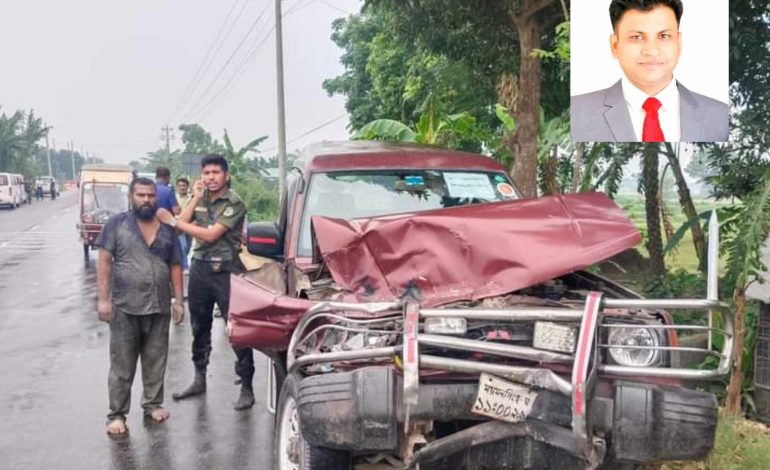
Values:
[(472, 252)]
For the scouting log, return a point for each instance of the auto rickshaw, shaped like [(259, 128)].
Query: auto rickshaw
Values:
[(103, 193)]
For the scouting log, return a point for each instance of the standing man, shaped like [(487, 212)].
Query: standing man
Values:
[(139, 259), (166, 198), (217, 214), (183, 197)]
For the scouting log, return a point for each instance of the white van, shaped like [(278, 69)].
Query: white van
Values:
[(12, 192)]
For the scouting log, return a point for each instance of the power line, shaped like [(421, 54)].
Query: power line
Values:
[(332, 121), (294, 7), (245, 63), (335, 7), (235, 77), (193, 85), (317, 128), (229, 59)]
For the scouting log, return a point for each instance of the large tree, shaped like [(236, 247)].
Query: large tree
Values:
[(491, 43), (654, 243), (196, 139), (392, 75)]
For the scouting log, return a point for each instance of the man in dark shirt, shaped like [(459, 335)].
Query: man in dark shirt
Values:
[(214, 217), (139, 259), (165, 195)]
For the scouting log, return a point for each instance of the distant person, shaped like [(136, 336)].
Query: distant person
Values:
[(29, 190), (647, 104), (217, 214), (139, 260), (39, 190), (184, 197), (52, 188), (166, 198)]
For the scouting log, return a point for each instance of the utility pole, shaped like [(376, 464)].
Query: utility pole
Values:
[(48, 155), (281, 112), (167, 136), (72, 159)]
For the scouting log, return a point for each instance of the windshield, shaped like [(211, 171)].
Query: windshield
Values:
[(101, 201), (352, 195)]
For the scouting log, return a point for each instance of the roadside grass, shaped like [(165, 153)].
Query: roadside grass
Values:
[(741, 444)]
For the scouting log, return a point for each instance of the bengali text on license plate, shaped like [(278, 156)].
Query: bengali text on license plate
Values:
[(504, 400)]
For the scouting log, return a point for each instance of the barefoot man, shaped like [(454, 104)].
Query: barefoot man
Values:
[(139, 260)]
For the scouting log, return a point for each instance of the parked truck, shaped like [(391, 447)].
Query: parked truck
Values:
[(419, 313)]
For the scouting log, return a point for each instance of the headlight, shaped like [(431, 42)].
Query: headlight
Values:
[(628, 336)]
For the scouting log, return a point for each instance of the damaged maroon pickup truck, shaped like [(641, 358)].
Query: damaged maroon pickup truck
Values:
[(419, 314)]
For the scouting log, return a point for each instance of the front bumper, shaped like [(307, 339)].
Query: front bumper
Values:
[(362, 411)]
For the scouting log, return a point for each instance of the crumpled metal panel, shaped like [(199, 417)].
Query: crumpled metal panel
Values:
[(473, 252), (261, 318)]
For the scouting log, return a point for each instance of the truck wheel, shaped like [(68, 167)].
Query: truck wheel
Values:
[(292, 452)]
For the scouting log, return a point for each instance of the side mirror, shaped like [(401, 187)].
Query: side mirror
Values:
[(264, 239)]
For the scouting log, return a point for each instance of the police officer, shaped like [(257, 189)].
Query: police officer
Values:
[(217, 215)]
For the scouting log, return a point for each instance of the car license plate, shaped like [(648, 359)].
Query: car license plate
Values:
[(503, 400), (554, 337)]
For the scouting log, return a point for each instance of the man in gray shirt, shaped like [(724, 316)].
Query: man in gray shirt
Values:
[(139, 259)]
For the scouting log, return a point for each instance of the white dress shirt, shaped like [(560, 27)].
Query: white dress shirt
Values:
[(668, 114)]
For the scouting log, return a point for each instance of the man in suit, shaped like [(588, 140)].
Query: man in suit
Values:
[(647, 104)]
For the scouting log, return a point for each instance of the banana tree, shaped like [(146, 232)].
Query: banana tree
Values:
[(745, 265), (237, 157), (11, 139)]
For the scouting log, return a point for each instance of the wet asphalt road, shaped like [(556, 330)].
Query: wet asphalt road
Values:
[(54, 362)]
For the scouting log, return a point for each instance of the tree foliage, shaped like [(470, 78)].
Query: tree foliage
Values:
[(196, 139), (20, 134), (237, 158)]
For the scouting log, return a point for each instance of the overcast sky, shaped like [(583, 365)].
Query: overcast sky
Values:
[(108, 75)]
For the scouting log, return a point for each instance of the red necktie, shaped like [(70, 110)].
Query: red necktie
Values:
[(651, 132)]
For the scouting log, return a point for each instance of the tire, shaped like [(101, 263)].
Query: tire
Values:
[(86, 257), (279, 369), (291, 451)]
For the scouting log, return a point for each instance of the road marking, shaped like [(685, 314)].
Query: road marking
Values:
[(35, 227), (3, 245)]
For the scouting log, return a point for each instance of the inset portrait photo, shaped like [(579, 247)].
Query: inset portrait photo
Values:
[(649, 71)]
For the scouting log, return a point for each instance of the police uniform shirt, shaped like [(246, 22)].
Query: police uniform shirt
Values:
[(228, 210)]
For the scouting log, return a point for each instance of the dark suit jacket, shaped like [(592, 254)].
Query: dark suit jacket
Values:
[(602, 116)]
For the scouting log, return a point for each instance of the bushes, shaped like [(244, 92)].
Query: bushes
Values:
[(261, 201)]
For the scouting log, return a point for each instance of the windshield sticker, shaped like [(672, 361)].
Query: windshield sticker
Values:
[(500, 179), (469, 185), (414, 180), (506, 190)]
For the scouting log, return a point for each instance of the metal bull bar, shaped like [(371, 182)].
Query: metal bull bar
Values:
[(586, 361)]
